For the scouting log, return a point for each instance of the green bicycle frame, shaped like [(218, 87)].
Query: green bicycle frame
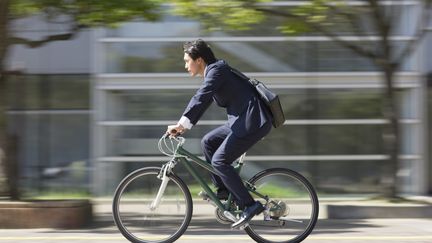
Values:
[(208, 167)]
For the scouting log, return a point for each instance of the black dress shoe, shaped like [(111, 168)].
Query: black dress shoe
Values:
[(248, 214)]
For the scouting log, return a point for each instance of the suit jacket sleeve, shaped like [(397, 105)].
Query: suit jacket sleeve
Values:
[(204, 95)]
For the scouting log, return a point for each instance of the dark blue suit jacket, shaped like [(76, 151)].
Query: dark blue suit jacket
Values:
[(246, 112)]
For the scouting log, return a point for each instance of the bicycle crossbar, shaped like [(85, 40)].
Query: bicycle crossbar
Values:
[(195, 159)]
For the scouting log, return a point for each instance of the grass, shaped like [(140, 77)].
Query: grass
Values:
[(278, 191), (270, 190)]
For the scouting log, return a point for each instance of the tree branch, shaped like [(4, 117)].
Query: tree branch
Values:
[(357, 49), (37, 43), (352, 18), (379, 17)]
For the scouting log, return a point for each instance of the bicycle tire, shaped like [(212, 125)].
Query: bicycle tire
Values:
[(293, 212), (134, 217)]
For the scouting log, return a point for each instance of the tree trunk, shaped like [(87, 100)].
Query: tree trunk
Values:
[(3, 48), (8, 187), (391, 133), (8, 147), (4, 190), (390, 107)]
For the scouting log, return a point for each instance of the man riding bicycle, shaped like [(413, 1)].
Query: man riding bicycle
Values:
[(248, 122)]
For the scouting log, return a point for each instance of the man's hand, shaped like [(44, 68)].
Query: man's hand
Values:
[(175, 130)]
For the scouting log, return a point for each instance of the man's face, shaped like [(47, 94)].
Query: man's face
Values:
[(194, 67)]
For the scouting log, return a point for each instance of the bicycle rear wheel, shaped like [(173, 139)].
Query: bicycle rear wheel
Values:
[(291, 207), (135, 218)]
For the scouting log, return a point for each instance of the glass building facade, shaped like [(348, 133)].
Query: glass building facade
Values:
[(100, 124)]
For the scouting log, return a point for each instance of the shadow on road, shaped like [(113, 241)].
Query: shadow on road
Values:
[(202, 225)]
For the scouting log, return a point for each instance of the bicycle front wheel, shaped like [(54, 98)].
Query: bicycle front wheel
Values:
[(291, 207), (136, 215)]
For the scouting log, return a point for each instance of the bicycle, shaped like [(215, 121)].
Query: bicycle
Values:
[(153, 204)]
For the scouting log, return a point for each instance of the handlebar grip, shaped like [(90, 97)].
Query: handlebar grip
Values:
[(171, 132)]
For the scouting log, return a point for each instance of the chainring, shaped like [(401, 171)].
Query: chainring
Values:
[(220, 217)]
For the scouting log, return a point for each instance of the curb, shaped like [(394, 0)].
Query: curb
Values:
[(64, 214), (379, 211)]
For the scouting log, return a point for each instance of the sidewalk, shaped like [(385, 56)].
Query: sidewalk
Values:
[(205, 228), (209, 231)]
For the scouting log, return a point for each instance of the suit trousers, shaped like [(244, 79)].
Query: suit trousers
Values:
[(221, 148)]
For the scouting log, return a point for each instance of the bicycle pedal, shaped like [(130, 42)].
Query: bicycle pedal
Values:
[(230, 216), (241, 227)]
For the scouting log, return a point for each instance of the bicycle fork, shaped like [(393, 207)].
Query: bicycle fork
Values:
[(165, 179)]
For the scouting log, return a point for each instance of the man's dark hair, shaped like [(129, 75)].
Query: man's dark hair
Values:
[(199, 48)]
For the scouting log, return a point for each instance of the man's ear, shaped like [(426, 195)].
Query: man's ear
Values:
[(201, 61)]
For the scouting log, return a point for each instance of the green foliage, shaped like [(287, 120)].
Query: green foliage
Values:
[(323, 13), (216, 14), (293, 27), (20, 8), (88, 12), (242, 14), (315, 12)]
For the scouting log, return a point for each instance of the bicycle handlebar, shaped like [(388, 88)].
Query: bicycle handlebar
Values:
[(171, 147)]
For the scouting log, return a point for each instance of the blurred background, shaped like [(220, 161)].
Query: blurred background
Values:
[(86, 111)]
